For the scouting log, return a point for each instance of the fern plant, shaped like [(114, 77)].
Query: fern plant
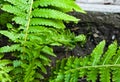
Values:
[(99, 65), (38, 26)]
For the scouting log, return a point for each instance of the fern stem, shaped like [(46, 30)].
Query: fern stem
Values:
[(29, 17), (28, 23), (97, 66)]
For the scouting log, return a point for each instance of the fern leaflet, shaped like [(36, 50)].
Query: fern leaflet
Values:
[(91, 66)]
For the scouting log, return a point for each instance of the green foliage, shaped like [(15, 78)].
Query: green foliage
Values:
[(5, 18), (5, 69), (105, 65), (38, 25), (1, 3)]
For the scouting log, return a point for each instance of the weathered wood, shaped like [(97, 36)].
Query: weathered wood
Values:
[(100, 7), (100, 1)]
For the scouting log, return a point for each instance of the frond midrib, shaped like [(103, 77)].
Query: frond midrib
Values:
[(28, 23), (96, 66)]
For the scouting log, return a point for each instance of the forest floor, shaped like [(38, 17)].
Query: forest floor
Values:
[(94, 33)]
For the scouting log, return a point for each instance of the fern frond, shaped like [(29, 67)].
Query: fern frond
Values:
[(96, 54), (20, 20), (116, 74), (15, 47), (14, 10), (4, 63), (8, 34), (116, 70), (20, 4), (47, 22), (75, 73), (83, 72), (29, 72), (91, 66), (65, 5), (12, 35), (38, 25), (117, 57), (54, 14), (92, 74), (48, 50), (45, 3), (109, 53), (5, 69), (41, 66), (105, 74)]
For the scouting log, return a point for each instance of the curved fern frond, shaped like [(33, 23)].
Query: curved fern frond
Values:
[(91, 66), (54, 14), (64, 5), (47, 22), (38, 25)]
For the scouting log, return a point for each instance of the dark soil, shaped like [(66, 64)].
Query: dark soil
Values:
[(94, 33)]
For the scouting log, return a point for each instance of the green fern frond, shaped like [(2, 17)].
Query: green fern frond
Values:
[(30, 72), (92, 74), (105, 74), (96, 54), (20, 4), (5, 69), (41, 29), (45, 3), (64, 5), (14, 10), (12, 35), (38, 25), (91, 66), (109, 53), (117, 57), (48, 50), (116, 74), (8, 34), (54, 14), (4, 62), (41, 66), (20, 20), (116, 70), (15, 47), (47, 22)]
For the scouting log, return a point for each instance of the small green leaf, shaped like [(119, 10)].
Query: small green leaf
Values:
[(17, 63), (48, 50), (9, 26), (80, 38)]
